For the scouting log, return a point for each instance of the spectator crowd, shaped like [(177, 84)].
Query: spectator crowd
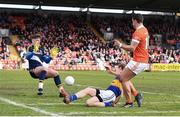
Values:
[(74, 42)]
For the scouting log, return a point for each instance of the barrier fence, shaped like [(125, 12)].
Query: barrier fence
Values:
[(13, 64), (165, 67)]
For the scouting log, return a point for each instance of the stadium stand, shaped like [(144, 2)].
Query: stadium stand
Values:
[(74, 41), (5, 61), (4, 52), (75, 45), (121, 27), (164, 35)]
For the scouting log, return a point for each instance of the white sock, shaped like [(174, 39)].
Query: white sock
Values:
[(40, 85)]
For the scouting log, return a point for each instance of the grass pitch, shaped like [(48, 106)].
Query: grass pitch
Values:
[(18, 94)]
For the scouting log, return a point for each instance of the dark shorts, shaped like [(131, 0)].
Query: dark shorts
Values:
[(97, 95), (33, 75)]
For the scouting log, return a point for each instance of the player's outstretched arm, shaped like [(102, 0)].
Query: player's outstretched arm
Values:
[(116, 101), (131, 47), (110, 71)]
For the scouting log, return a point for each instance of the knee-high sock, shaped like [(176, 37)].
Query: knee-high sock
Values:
[(57, 80), (42, 75)]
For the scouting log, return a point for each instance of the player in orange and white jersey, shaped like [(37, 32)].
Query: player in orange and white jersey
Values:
[(139, 47)]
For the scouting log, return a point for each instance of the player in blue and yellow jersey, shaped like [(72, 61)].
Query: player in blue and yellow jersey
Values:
[(99, 98), (36, 57)]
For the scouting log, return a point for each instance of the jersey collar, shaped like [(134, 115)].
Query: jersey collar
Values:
[(140, 26)]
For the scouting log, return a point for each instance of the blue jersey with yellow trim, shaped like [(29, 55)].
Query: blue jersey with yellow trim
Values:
[(37, 58), (35, 61), (115, 87)]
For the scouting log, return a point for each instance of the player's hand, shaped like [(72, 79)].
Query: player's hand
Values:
[(114, 104), (117, 43)]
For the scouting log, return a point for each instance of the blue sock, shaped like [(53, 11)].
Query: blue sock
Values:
[(57, 80), (42, 75), (107, 104), (73, 97)]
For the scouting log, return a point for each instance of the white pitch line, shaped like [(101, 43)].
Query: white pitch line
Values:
[(110, 113), (53, 104), (27, 107), (74, 113), (160, 94), (120, 112)]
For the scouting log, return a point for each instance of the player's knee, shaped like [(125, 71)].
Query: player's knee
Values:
[(43, 69), (55, 73), (88, 89), (42, 75), (52, 72), (89, 103)]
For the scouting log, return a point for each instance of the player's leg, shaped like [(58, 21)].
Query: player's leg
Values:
[(134, 93), (94, 101), (127, 94), (138, 96), (87, 91), (103, 98), (133, 89), (51, 73), (124, 77), (40, 73), (43, 73), (131, 70)]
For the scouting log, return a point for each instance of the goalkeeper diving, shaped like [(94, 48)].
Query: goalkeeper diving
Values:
[(36, 57)]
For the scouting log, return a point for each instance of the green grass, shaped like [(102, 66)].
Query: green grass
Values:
[(161, 94)]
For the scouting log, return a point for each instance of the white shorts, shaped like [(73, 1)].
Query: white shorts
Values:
[(105, 95), (137, 67)]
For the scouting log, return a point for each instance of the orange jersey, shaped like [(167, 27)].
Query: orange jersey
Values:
[(141, 36)]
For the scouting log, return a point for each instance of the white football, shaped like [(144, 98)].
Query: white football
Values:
[(69, 80)]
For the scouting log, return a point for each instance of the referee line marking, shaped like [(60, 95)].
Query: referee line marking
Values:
[(28, 107), (72, 113), (121, 112)]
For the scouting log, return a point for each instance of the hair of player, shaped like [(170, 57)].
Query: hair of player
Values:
[(138, 17)]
